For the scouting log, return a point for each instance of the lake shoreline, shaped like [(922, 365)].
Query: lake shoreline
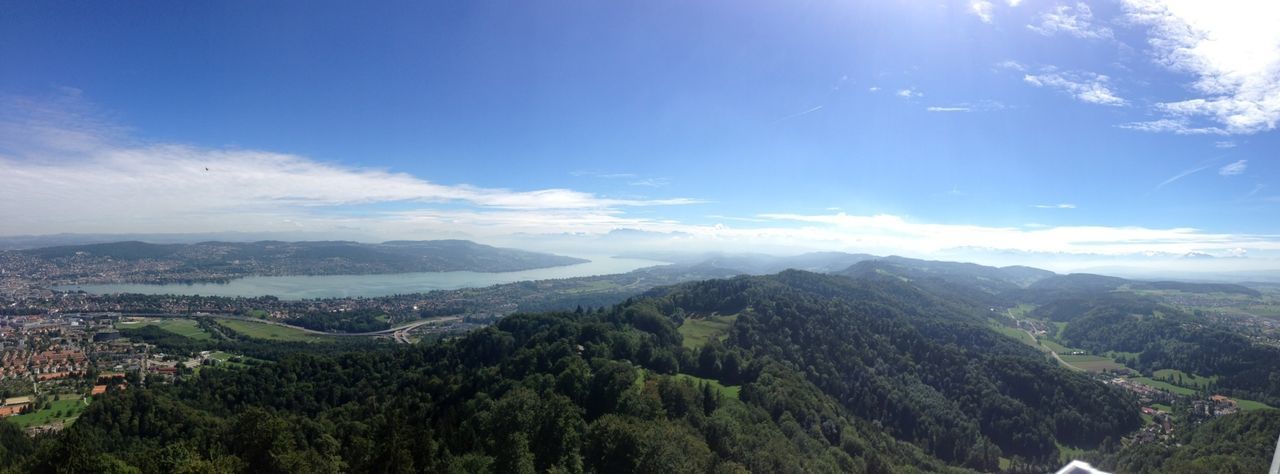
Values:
[(298, 287)]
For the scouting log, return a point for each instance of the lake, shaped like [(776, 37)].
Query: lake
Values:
[(334, 286)]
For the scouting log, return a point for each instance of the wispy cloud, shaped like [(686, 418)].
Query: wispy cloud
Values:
[(1224, 144), (1180, 175), (650, 182), (1084, 86), (1233, 169), (896, 231), (598, 174), (909, 92), (873, 89), (1071, 20), (799, 114), (981, 8), (1233, 48), (1054, 206), (976, 106), (69, 176), (1180, 126), (1011, 64)]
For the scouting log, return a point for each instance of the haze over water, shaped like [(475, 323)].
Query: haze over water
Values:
[(336, 286)]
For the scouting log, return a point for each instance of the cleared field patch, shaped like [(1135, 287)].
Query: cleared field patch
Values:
[(65, 410), (728, 391), (1165, 386), (1184, 379), (1250, 405), (1091, 363), (270, 332), (697, 332), (1055, 346), (183, 327), (1017, 334)]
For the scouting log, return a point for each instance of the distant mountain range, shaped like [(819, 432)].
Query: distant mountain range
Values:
[(211, 261)]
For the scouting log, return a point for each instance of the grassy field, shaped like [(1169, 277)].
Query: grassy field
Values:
[(69, 408), (1057, 347), (1250, 405), (1020, 311), (1017, 334), (1165, 385), (1187, 380), (1068, 453), (270, 331), (182, 327), (1091, 363), (730, 391), (697, 332)]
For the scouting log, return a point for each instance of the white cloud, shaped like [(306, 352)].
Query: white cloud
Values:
[(650, 182), (1055, 206), (69, 176), (947, 109), (1232, 47), (1075, 20), (1233, 169), (1224, 144), (1014, 3), (878, 231), (1180, 126), (981, 8), (119, 185), (1011, 64), (1085, 86), (909, 93), (873, 89)]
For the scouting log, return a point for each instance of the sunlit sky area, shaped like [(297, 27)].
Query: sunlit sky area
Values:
[(997, 131)]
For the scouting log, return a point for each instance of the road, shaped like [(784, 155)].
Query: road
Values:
[(1051, 351)]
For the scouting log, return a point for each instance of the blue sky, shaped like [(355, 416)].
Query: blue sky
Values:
[(890, 127)]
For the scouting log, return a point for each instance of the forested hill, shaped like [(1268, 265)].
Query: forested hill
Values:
[(928, 370), (140, 261), (815, 373)]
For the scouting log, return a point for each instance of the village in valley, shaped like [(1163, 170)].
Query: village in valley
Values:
[(1169, 398)]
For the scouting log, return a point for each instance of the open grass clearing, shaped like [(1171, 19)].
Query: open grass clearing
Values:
[(1250, 405), (728, 391), (1164, 386), (1091, 363), (270, 332), (1058, 347), (64, 410), (1018, 334), (698, 332), (1184, 379)]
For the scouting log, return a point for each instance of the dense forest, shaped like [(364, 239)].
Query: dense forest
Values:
[(356, 320), (816, 373)]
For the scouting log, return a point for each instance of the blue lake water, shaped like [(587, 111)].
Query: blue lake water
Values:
[(331, 286)]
